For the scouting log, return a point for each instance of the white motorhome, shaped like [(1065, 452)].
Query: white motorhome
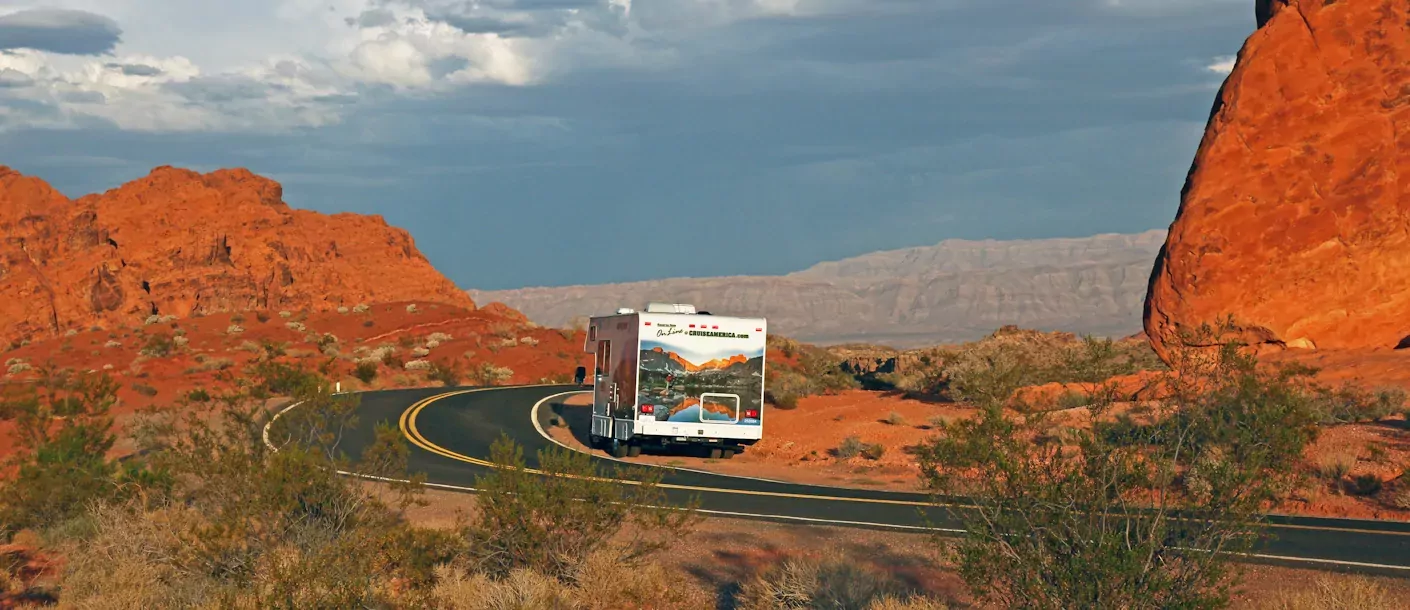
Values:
[(670, 375)]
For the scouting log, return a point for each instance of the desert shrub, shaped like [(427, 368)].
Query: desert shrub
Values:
[(420, 352), (198, 395), (444, 372), (298, 326), (1073, 400), (248, 527), (567, 333), (1332, 592), (530, 341), (286, 314), (365, 371), (417, 365), (830, 582), (342, 310), (1365, 484), (1085, 494), (71, 332), (1351, 404), (1011, 358), (62, 433), (851, 447), (234, 329), (159, 345), (180, 341), (411, 308), (112, 344), (144, 390), (1336, 466), (439, 337), (895, 419), (486, 374), (874, 451), (262, 316), (368, 323), (270, 349), (361, 308), (551, 524), (152, 319), (19, 366)]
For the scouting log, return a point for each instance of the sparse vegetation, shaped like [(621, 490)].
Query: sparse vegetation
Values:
[(1240, 429), (895, 419), (1334, 593), (830, 582), (445, 373), (144, 390), (418, 365), (234, 329), (158, 345), (365, 371), (411, 308), (361, 308), (486, 374)]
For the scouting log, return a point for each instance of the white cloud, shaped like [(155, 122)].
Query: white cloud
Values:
[(269, 65), (1222, 65)]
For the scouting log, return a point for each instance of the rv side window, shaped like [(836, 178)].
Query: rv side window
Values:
[(604, 351)]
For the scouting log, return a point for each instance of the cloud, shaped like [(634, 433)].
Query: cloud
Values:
[(68, 32), (1223, 64)]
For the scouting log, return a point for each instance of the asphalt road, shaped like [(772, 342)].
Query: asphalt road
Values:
[(451, 431)]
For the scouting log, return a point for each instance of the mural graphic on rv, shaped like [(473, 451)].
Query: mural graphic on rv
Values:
[(728, 383)]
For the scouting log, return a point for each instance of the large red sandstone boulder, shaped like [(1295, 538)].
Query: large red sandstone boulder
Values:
[(1295, 217), (178, 242)]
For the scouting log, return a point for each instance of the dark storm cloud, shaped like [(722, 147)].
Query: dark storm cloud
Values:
[(774, 142), (59, 31)]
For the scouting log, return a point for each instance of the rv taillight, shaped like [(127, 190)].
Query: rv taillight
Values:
[(648, 409), (752, 414)]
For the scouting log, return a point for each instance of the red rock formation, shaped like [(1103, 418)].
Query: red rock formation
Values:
[(1295, 217), (179, 242)]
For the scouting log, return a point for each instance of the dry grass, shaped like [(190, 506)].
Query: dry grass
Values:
[(832, 581), (1335, 593), (650, 586)]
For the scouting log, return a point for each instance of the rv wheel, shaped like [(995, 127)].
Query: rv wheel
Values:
[(594, 442), (633, 450), (715, 453), (728, 453), (619, 449)]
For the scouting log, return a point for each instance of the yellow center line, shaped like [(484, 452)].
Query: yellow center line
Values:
[(408, 427)]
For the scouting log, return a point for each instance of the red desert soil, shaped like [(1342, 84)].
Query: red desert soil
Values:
[(494, 335), (177, 242), (1293, 216)]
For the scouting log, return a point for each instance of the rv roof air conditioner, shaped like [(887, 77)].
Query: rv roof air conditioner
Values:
[(624, 310), (670, 308)]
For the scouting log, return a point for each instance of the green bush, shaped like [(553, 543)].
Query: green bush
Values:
[(551, 521), (830, 582), (158, 345), (365, 371), (62, 434), (1112, 499)]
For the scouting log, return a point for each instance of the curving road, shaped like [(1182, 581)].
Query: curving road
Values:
[(451, 431)]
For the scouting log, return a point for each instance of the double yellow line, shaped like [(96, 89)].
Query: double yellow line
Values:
[(408, 427)]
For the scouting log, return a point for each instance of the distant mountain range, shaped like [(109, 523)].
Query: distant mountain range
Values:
[(956, 290)]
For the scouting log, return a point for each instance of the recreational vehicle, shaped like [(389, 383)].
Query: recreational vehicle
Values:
[(672, 376)]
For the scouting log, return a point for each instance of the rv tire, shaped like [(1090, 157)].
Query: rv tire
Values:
[(633, 450), (618, 448), (715, 453), (728, 452)]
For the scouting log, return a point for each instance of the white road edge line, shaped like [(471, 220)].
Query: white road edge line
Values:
[(458, 488), (534, 416)]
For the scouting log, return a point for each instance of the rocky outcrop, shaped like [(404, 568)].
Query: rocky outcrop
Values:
[(179, 242), (1294, 223), (956, 290)]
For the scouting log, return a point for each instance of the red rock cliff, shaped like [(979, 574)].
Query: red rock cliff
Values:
[(178, 242), (1295, 217)]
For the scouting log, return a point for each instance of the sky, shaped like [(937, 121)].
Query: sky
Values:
[(558, 142)]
